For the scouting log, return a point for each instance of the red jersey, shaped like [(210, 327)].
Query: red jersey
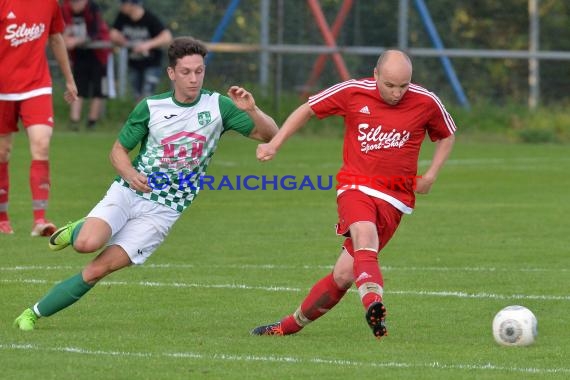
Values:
[(24, 30), (382, 141)]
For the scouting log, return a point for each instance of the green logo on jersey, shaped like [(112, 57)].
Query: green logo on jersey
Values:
[(204, 118)]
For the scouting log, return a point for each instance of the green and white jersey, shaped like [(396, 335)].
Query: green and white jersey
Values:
[(177, 142)]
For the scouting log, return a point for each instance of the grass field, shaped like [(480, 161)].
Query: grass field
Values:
[(494, 232)]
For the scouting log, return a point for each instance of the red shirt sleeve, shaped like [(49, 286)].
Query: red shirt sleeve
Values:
[(440, 125), (57, 24), (331, 101)]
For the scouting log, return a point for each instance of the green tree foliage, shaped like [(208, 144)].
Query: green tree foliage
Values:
[(461, 24)]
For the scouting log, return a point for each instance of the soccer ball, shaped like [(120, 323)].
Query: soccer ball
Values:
[(515, 326)]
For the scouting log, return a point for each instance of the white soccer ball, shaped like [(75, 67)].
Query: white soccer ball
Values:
[(515, 326)]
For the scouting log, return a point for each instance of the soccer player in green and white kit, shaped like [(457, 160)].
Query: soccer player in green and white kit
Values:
[(178, 132)]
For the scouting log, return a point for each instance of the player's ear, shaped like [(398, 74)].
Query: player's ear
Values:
[(170, 72)]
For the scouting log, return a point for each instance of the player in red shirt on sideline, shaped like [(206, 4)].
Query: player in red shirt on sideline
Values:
[(26, 93), (386, 119)]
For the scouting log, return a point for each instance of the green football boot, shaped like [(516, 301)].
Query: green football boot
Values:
[(62, 237), (26, 321)]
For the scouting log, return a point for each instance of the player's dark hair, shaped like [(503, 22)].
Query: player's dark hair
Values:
[(183, 46)]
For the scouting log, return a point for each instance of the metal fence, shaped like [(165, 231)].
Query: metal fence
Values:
[(278, 44)]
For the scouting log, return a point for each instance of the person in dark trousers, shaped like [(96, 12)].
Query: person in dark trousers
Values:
[(84, 24)]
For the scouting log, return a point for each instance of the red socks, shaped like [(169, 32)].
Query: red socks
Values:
[(323, 296), (40, 186), (368, 277), (4, 186)]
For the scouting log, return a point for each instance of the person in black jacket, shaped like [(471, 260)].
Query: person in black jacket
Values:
[(145, 35)]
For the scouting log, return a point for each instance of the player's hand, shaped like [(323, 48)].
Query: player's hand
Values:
[(265, 152), (424, 184), (139, 182), (242, 98), (70, 94)]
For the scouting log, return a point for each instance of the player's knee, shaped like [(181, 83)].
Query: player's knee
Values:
[(343, 280), (365, 242), (40, 150), (86, 244), (40, 138), (364, 235), (343, 277)]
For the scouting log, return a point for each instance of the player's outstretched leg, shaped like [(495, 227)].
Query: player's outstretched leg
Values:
[(375, 317), (65, 235), (62, 295), (322, 297)]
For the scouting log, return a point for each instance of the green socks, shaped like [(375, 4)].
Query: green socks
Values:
[(62, 295), (75, 231)]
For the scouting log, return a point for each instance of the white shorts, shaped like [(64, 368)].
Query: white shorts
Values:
[(138, 225)]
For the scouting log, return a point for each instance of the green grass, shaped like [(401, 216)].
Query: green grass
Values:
[(494, 232), (514, 123)]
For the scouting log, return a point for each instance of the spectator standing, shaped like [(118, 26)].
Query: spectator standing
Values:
[(84, 24), (145, 35)]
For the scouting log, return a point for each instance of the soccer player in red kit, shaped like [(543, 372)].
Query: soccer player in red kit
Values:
[(26, 94), (386, 119)]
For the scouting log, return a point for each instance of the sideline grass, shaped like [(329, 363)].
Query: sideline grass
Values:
[(493, 232)]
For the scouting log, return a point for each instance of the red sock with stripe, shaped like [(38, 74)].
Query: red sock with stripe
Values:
[(369, 280), (4, 188), (39, 186), (323, 296)]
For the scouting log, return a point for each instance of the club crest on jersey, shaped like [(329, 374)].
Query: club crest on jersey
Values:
[(204, 118)]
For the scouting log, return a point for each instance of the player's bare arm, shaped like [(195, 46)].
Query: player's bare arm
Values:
[(294, 122), (265, 127), (59, 49), (442, 150), (120, 160)]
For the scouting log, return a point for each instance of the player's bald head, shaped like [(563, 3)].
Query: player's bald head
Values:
[(392, 57), (395, 65)]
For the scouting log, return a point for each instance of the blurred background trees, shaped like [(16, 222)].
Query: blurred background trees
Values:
[(462, 24)]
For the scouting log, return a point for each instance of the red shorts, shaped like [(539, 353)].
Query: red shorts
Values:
[(32, 111), (355, 206)]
